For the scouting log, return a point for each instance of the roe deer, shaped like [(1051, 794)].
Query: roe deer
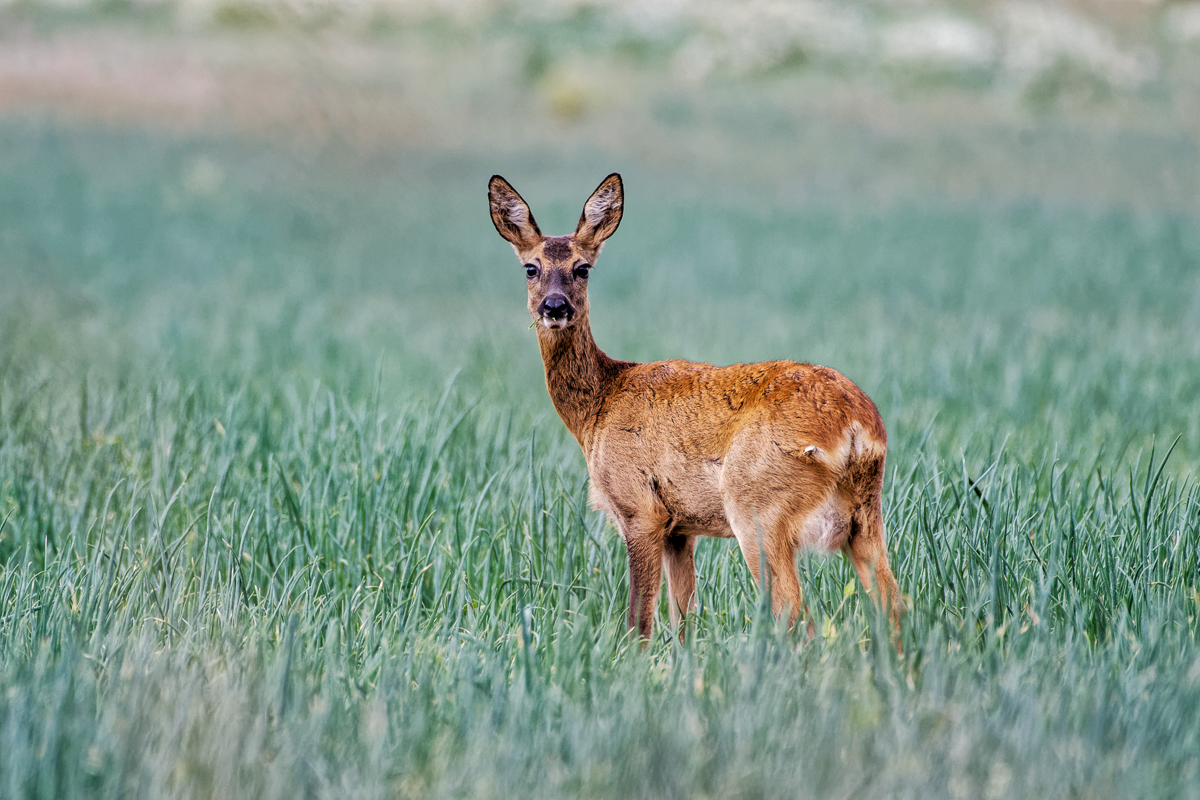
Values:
[(778, 454)]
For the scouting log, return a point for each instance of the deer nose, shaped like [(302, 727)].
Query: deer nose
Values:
[(556, 306)]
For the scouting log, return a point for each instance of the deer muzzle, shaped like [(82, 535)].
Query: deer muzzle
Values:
[(556, 310)]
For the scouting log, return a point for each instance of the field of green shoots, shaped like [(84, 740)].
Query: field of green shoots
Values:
[(285, 511)]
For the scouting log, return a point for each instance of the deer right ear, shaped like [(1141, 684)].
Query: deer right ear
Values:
[(601, 213), (511, 215)]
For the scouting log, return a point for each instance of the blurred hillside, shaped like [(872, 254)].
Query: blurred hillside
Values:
[(1084, 102)]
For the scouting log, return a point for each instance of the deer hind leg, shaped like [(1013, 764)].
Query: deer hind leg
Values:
[(867, 549), (769, 548), (867, 544), (680, 563)]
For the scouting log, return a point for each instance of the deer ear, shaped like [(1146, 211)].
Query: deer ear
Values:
[(511, 215), (601, 213)]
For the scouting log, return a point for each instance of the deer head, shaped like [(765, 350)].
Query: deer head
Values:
[(557, 267)]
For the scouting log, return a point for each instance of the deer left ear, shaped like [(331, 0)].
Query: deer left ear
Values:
[(511, 215), (601, 213)]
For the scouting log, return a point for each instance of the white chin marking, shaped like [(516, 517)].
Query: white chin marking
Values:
[(553, 323)]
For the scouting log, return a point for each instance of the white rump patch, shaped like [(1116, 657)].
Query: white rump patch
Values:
[(862, 441)]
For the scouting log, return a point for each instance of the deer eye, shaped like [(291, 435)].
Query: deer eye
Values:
[(582, 270), (531, 271)]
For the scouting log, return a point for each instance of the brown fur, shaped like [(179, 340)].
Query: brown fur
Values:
[(779, 455)]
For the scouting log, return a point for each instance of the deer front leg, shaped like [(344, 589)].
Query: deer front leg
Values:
[(680, 563), (645, 580)]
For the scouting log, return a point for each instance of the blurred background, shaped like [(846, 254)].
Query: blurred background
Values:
[(870, 98)]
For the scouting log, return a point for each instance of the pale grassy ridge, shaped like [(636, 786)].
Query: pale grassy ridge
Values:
[(257, 541)]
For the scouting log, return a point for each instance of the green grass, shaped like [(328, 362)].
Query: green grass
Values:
[(287, 512)]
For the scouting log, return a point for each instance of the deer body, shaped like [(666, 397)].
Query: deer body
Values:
[(779, 455)]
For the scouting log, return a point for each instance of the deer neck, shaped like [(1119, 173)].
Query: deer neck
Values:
[(579, 376)]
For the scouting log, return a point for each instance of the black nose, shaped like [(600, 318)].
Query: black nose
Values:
[(556, 306)]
